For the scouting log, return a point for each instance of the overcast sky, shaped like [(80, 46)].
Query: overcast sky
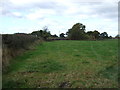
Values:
[(25, 16)]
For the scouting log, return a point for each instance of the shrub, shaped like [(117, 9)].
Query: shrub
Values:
[(13, 45), (17, 41)]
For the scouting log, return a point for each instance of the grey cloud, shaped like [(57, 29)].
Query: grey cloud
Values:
[(101, 9), (109, 10), (8, 7)]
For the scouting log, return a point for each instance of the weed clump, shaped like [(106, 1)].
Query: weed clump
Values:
[(13, 45)]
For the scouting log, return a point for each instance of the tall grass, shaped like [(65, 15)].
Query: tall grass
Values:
[(13, 45)]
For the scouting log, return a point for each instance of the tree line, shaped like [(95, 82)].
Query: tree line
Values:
[(77, 32)]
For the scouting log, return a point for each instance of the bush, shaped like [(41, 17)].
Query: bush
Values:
[(17, 41), (14, 45)]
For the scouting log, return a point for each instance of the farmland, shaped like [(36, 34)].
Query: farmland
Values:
[(65, 64)]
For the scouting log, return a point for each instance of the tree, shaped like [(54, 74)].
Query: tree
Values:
[(36, 33), (77, 32), (54, 35), (45, 33), (90, 35), (42, 33), (117, 36), (104, 35), (62, 35), (96, 34), (45, 28), (93, 34), (110, 37)]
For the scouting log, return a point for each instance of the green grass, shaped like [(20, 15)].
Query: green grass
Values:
[(74, 64)]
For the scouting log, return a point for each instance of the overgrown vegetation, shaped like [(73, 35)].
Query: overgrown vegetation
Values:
[(18, 41), (13, 45), (66, 64), (42, 33)]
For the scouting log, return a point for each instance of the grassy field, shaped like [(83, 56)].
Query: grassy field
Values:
[(74, 64)]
